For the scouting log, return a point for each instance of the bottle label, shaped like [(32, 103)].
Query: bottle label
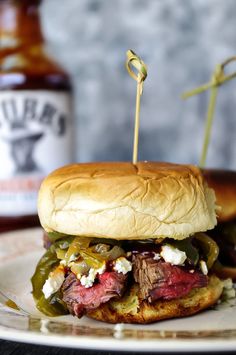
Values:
[(35, 138)]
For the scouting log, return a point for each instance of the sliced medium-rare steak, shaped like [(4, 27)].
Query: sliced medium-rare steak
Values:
[(159, 279), (79, 299)]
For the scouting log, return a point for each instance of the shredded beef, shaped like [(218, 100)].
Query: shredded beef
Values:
[(158, 279), (79, 299)]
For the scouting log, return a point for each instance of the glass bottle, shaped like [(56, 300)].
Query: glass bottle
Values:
[(35, 113)]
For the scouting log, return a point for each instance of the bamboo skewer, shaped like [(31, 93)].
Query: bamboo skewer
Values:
[(140, 66), (218, 79)]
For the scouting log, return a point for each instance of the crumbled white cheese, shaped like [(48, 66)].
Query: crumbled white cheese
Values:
[(156, 256), (229, 290), (54, 282), (70, 262), (228, 284), (87, 281), (173, 255), (203, 267), (228, 297), (122, 265), (230, 293), (119, 327), (63, 262), (44, 325), (119, 331)]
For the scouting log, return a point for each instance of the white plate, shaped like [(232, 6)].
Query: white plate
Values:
[(212, 330)]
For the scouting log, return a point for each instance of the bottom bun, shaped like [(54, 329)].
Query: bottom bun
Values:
[(129, 309)]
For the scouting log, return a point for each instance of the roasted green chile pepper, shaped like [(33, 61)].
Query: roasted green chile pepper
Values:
[(209, 248), (53, 306), (186, 246), (55, 236)]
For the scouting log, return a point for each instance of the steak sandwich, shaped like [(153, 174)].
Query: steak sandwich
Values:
[(126, 243), (224, 184)]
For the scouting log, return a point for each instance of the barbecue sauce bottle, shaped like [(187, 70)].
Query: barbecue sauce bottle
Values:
[(35, 113)]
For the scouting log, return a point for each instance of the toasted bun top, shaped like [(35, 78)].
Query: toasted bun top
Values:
[(224, 184), (124, 201)]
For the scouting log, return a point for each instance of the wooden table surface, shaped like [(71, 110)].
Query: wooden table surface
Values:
[(14, 348)]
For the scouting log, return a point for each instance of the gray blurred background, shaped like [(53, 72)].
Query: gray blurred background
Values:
[(181, 41)]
